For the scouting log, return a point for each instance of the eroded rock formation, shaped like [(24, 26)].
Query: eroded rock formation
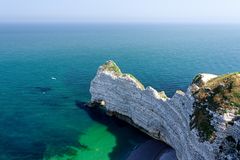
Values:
[(201, 124)]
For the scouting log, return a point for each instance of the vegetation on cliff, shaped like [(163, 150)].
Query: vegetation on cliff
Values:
[(220, 95), (163, 95), (112, 67)]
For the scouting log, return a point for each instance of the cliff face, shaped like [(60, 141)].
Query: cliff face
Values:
[(201, 124)]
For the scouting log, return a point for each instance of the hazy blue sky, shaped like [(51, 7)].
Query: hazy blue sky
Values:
[(120, 11)]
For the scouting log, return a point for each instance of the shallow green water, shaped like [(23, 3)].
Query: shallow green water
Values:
[(39, 118)]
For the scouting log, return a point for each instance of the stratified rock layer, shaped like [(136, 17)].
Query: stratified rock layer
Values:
[(187, 122)]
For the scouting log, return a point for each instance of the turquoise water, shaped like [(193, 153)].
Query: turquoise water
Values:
[(39, 118)]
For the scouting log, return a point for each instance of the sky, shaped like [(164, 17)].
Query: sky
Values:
[(196, 11)]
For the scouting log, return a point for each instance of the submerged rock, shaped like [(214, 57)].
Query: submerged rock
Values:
[(43, 89), (201, 124)]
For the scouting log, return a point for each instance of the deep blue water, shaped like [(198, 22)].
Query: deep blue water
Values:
[(38, 115)]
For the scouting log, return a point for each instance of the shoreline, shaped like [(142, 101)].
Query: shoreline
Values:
[(153, 150)]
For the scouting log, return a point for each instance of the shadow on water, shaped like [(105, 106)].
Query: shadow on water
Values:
[(22, 140), (122, 131), (38, 126), (15, 145)]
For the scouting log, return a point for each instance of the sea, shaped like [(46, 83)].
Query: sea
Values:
[(46, 70)]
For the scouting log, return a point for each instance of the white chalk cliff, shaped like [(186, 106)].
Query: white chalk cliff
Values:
[(180, 121)]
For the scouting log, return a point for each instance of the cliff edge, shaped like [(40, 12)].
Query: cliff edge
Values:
[(201, 124)]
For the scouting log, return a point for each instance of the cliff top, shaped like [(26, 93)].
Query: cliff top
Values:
[(111, 66), (221, 92), (218, 94)]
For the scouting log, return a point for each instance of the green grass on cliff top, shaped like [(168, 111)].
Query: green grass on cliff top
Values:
[(112, 67), (226, 90), (222, 95)]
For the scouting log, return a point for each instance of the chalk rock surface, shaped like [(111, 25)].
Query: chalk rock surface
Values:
[(201, 124)]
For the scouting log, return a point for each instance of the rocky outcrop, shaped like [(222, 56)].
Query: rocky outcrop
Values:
[(201, 124)]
